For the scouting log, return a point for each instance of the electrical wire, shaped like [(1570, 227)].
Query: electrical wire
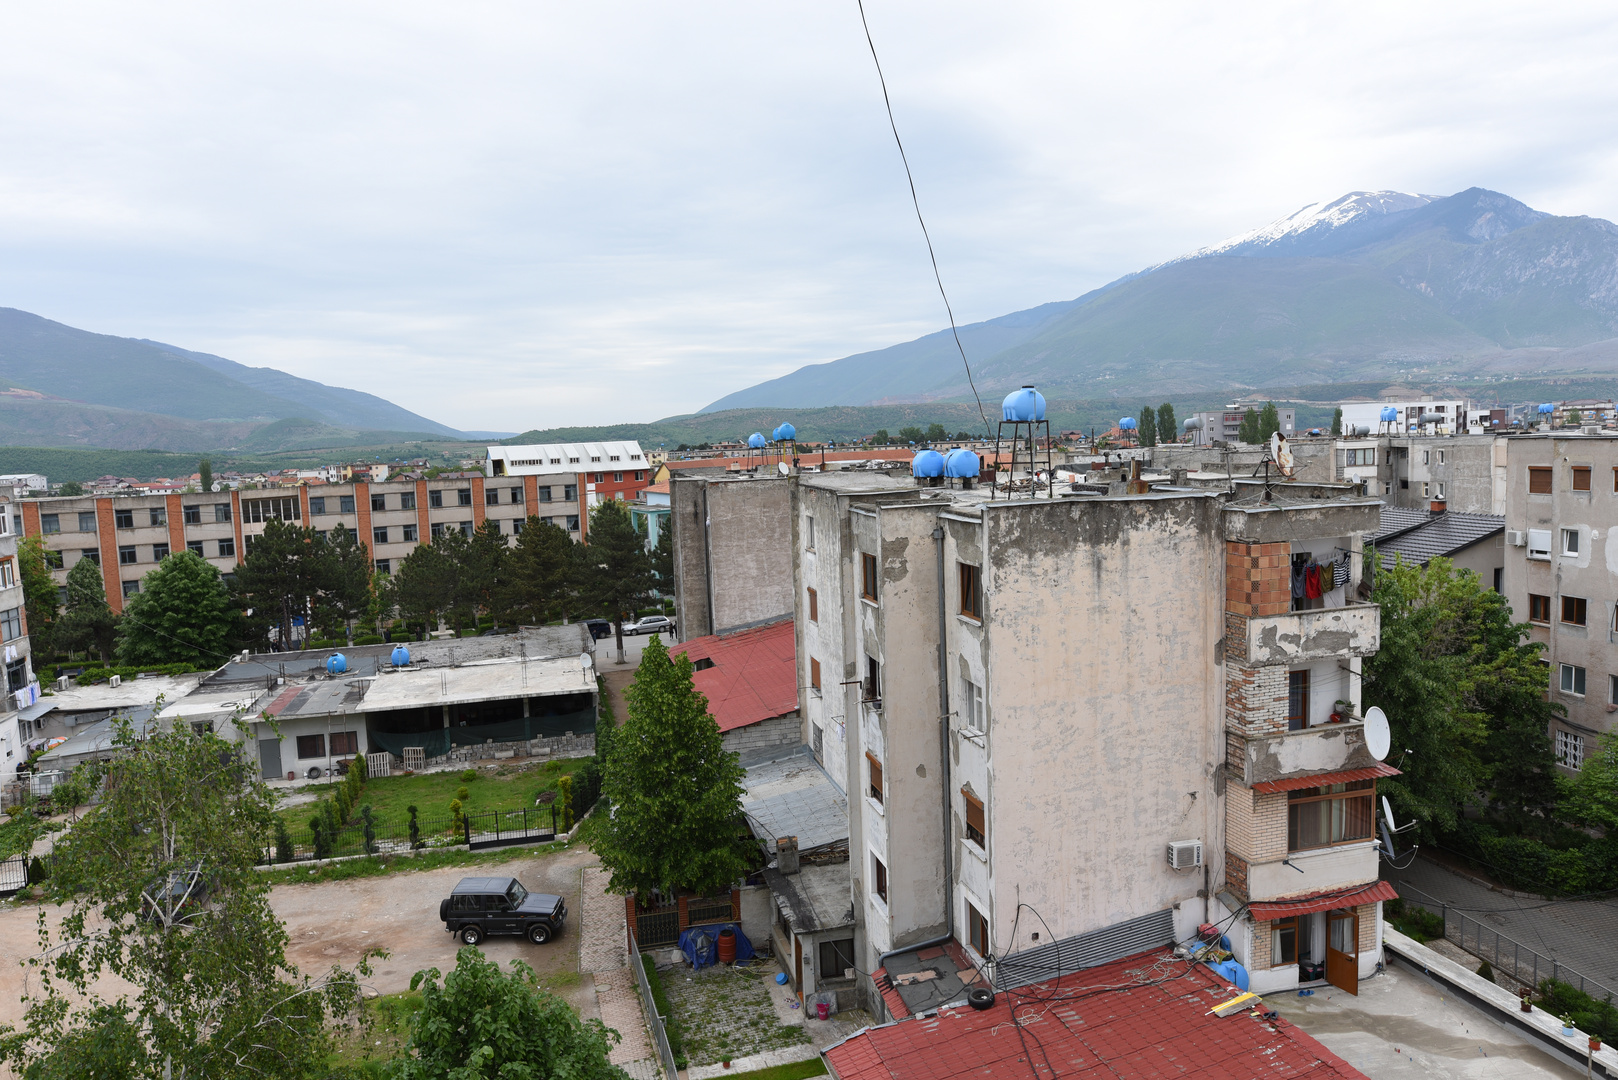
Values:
[(915, 201)]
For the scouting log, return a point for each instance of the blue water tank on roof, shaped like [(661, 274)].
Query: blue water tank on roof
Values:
[(927, 463), (1127, 424), (1024, 405), (1547, 408), (961, 464), (1389, 414), (336, 663), (786, 433), (401, 656), (757, 440)]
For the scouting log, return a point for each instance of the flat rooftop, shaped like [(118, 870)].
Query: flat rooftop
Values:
[(793, 796), (104, 697), (488, 680)]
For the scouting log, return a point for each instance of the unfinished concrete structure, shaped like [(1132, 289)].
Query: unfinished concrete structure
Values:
[(1036, 708), (1466, 472), (732, 551)]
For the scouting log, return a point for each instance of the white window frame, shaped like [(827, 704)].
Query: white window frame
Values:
[(971, 711), (1441, 457), (809, 532), (1440, 489), (1571, 679), (1539, 543), (1570, 543)]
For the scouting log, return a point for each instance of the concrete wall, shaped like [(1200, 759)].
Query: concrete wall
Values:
[(733, 554), (1315, 461), (763, 740), (1462, 466), (688, 517)]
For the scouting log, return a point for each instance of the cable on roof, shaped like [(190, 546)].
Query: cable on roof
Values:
[(920, 220)]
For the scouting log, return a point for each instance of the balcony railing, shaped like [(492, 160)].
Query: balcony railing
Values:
[(1299, 637), (1320, 749), (1312, 871)]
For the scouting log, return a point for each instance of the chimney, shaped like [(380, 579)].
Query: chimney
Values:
[(786, 854), (1439, 506)]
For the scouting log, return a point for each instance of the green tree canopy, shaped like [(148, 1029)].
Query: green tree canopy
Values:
[(911, 433), (1269, 421), (1593, 795), (183, 614), (70, 488), (160, 889), (881, 437), (541, 573), (1248, 432), (1337, 421), (205, 474), (674, 789), (344, 572), (1148, 426), (481, 1023), (88, 623), (936, 433), (663, 556), (423, 584), (41, 600), (284, 575), (616, 571), (1168, 429)]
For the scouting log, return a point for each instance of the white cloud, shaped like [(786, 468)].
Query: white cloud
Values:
[(508, 216)]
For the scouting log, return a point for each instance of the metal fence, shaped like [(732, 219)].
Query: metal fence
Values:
[(392, 834), (654, 1020), (710, 909), (658, 926), (13, 875), (1504, 954)]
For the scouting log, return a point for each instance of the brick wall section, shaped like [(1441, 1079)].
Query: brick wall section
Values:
[(479, 512), (236, 519), (1367, 914), (1239, 819), (107, 530), (1269, 827), (1260, 958), (1235, 637), (1236, 875), (530, 495), (1236, 753), (362, 507), (1255, 699), (176, 514), (1258, 578)]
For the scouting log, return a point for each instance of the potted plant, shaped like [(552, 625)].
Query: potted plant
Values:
[(1595, 1043), (1567, 1026)]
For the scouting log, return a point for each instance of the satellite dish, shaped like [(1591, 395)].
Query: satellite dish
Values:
[(1378, 737), (782, 467), (585, 660)]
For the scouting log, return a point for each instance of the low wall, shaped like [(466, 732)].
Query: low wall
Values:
[(760, 741), (562, 746)]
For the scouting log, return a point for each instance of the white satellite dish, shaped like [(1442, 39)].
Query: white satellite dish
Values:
[(1378, 737), (586, 660), (782, 467)]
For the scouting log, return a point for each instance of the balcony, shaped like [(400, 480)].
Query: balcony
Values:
[(1299, 637), (1315, 870), (1323, 749)]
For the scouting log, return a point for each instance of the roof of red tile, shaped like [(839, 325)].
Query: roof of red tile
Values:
[(1267, 910), (1347, 776), (754, 675), (1143, 1016)]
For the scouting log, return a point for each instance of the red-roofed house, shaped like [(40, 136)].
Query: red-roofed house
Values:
[(1148, 1015), (750, 680)]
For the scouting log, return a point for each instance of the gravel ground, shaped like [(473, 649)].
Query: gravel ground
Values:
[(726, 1013)]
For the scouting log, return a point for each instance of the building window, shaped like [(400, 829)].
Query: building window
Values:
[(285, 509), (123, 519), (1333, 814), (191, 515), (977, 930), (317, 507), (126, 555), (344, 743), (467, 528), (570, 493), (1426, 457), (50, 523), (463, 496), (1441, 457), (8, 574), (598, 475), (1572, 679), (879, 878), (311, 746), (408, 533), (379, 534), (1612, 689), (53, 559), (1283, 942), (543, 493), (1539, 608), (194, 545), (87, 521), (874, 788), (1426, 489), (10, 624), (868, 576), (1581, 478), (1539, 480), (157, 516), (1570, 749), (809, 526), (1387, 488), (971, 590), (221, 512), (378, 502), (814, 675), (384, 566), (1365, 455), (573, 523), (836, 959), (1441, 489), (407, 500), (814, 606), (1570, 541), (640, 476), (1574, 610), (436, 529), (1297, 700), (971, 704), (491, 496), (516, 496), (227, 548), (160, 552), (435, 499), (873, 682), (975, 828), (345, 504), (1539, 543), (617, 477), (516, 526), (131, 588)]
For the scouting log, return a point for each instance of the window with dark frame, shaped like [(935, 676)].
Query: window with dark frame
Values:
[(463, 496), (126, 555), (345, 743), (310, 746), (1539, 608), (221, 513), (194, 545), (971, 578), (867, 576), (50, 524), (1574, 610), (379, 534), (1329, 815), (407, 500), (345, 504), (836, 958), (160, 552), (491, 496), (1297, 700), (1581, 478), (976, 831), (873, 681), (158, 515), (435, 499), (879, 878), (814, 606), (874, 788), (191, 515), (814, 674), (227, 548), (1283, 942), (123, 519), (977, 930), (87, 520), (1539, 480)]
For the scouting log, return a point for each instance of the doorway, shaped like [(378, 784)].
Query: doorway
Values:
[(1343, 950)]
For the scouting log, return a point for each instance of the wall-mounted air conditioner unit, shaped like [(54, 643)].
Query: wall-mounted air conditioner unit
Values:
[(1516, 537), (115, 680), (1185, 854)]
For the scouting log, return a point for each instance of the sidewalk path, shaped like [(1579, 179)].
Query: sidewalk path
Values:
[(1579, 933), (604, 953)]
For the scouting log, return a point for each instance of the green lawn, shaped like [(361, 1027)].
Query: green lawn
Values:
[(511, 786), (797, 1070)]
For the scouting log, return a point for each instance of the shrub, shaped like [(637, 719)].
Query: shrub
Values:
[(564, 797), (586, 788), (415, 829), (469, 775), (455, 806), (322, 838), (283, 841), (39, 871), (370, 830), (368, 639), (1599, 1018), (1414, 922), (461, 794), (1485, 971)]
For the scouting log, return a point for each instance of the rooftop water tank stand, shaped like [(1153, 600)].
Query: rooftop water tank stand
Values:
[(1024, 411)]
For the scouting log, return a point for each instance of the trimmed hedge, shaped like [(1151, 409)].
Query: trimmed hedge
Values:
[(1584, 866), (98, 674), (1587, 1014)]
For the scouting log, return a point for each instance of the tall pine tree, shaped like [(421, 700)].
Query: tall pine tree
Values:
[(1148, 427)]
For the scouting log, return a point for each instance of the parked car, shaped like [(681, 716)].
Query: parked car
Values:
[(481, 906), (178, 896), (599, 628), (651, 624)]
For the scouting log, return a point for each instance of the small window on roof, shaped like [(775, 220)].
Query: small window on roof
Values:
[(702, 663)]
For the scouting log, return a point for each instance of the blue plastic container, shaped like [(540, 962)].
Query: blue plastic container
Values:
[(1025, 404)]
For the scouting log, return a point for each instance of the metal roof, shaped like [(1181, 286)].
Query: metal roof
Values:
[(1441, 534), (1395, 520), (1266, 911), (1346, 776), (793, 796), (754, 673)]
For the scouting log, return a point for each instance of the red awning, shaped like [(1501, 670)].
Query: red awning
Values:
[(1380, 769), (1337, 898)]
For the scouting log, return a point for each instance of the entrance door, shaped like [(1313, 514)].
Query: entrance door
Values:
[(1343, 950), (269, 756), (797, 964)]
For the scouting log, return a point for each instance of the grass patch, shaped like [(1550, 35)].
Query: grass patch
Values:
[(379, 1035), (793, 1070), (671, 1023), (726, 1013), (511, 786), (19, 832), (382, 865)]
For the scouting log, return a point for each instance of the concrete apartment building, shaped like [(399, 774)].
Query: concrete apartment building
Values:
[(732, 551), (1224, 425), (17, 709), (128, 535), (1082, 727), (1561, 555), (1466, 472)]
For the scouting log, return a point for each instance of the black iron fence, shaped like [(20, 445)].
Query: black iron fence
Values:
[(393, 834), (709, 909), (657, 926)]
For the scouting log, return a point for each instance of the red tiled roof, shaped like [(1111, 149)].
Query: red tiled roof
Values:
[(1073, 1028), (1265, 911), (1380, 769), (754, 675)]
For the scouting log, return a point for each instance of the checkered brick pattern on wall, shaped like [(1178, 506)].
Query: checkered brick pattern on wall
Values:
[(1258, 578)]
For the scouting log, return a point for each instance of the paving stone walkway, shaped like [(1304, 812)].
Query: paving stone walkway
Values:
[(1578, 933), (604, 953)]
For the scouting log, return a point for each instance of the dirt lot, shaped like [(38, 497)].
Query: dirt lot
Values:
[(334, 922)]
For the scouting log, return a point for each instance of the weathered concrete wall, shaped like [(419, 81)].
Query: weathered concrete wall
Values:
[(1461, 465), (1101, 654), (1301, 636), (1314, 458), (749, 551), (758, 916), (1323, 868), (1320, 749), (688, 516), (765, 739), (1280, 522)]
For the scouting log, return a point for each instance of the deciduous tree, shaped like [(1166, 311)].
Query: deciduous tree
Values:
[(1168, 429), (40, 598), (617, 571), (183, 614), (1148, 426), (205, 474), (88, 623), (1337, 421), (1269, 421), (1248, 432), (936, 433)]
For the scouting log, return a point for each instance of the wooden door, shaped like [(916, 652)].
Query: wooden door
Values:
[(797, 965), (1343, 950)]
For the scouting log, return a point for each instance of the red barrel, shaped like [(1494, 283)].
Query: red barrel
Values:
[(822, 1010), (727, 946)]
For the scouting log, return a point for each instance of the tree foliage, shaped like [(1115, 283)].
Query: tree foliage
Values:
[(936, 432), (160, 889), (542, 573), (911, 434), (183, 614), (1269, 421), (1248, 432), (87, 624), (663, 557), (1337, 421), (40, 598), (616, 576), (1168, 429), (205, 475), (1148, 426), (674, 789)]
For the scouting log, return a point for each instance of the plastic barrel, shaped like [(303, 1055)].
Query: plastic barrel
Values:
[(822, 1011), (727, 946)]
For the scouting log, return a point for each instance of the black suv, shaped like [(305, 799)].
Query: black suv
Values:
[(480, 906)]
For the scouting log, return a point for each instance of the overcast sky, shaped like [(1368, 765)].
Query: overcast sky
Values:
[(506, 216)]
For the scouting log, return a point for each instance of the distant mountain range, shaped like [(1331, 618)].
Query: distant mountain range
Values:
[(69, 387), (1376, 285)]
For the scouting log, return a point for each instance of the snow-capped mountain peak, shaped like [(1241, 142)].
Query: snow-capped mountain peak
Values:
[(1317, 220)]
